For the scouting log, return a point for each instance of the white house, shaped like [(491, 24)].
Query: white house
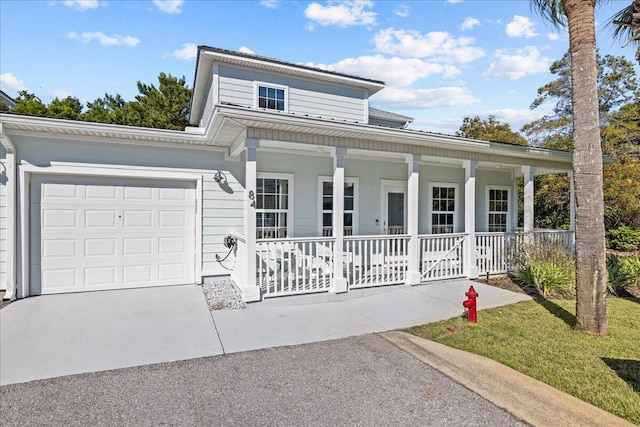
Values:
[(275, 151)]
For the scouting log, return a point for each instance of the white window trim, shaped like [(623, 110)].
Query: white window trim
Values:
[(257, 84), (356, 202), (456, 201), (509, 206), (290, 209)]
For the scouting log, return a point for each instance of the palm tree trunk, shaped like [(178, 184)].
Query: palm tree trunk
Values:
[(591, 273)]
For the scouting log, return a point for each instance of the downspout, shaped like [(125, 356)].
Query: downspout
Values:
[(12, 205)]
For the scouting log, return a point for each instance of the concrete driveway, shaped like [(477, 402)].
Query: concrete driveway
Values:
[(56, 335)]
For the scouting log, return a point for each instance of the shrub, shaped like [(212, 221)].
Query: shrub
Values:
[(549, 278), (624, 239), (617, 276)]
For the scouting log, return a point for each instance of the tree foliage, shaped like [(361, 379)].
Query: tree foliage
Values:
[(617, 86), (163, 107), (490, 129)]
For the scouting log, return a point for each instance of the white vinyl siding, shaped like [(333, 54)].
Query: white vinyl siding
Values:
[(222, 205), (237, 87)]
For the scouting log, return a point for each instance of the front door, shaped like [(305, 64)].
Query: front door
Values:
[(394, 209)]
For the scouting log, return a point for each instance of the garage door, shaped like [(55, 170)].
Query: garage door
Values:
[(92, 233)]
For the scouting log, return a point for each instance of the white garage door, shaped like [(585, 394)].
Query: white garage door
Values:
[(95, 233)]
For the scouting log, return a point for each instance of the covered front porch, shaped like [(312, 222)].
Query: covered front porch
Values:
[(401, 218)]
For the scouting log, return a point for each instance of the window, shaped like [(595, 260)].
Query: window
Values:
[(271, 97), (498, 199), (273, 202), (443, 208), (350, 206)]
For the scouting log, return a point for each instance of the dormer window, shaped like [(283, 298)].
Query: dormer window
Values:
[(271, 97)]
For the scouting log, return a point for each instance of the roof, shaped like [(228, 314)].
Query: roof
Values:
[(6, 99), (207, 56), (387, 115)]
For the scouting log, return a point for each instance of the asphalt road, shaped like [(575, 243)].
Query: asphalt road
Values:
[(356, 381)]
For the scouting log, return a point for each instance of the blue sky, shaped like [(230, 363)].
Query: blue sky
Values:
[(442, 60)]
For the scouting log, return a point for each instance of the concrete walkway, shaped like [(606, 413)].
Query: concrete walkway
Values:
[(56, 335)]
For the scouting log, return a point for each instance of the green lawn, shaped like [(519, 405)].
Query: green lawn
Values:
[(538, 339)]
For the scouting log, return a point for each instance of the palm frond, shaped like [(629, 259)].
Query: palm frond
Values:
[(551, 10)]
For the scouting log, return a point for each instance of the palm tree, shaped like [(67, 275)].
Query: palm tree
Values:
[(591, 272), (627, 24)]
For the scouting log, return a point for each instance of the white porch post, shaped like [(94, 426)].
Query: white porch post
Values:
[(250, 289), (339, 281), (470, 267), (529, 173), (413, 181)]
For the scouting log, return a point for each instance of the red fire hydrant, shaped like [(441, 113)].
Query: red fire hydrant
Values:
[(470, 305)]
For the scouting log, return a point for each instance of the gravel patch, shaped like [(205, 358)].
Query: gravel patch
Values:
[(222, 294)]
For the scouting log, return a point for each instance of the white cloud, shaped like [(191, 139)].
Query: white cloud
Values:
[(424, 98), (553, 36), (169, 6), (105, 40), (521, 26), (81, 4), (10, 83), (437, 45), (271, 4), (454, 1), (342, 13), (393, 71), (244, 49), (469, 23), (188, 52), (402, 11), (522, 62), (60, 93)]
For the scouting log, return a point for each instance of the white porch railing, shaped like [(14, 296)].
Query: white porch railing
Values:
[(294, 265), (442, 256), (495, 252), (375, 260)]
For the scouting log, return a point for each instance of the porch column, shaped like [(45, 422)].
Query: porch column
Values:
[(529, 173), (413, 252), (250, 289), (470, 267), (339, 282)]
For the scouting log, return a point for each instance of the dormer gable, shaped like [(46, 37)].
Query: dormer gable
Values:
[(252, 81)]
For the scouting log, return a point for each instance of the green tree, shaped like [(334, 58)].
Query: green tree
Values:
[(489, 129), (111, 109), (617, 85), (29, 104), (166, 106), (68, 108), (591, 273)]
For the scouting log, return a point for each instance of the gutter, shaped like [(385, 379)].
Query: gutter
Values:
[(11, 183)]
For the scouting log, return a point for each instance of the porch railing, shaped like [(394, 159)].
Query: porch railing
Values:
[(294, 265), (375, 260), (442, 256), (496, 252)]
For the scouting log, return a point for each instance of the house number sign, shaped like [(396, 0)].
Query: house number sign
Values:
[(252, 197)]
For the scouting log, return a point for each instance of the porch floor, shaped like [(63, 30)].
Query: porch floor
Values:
[(308, 318)]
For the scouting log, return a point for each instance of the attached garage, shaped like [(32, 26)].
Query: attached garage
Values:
[(97, 233)]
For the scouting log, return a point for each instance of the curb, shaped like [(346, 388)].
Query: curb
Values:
[(530, 400)]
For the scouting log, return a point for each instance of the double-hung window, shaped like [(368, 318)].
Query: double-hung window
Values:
[(498, 212), (350, 206), (274, 203), (271, 97), (443, 207)]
